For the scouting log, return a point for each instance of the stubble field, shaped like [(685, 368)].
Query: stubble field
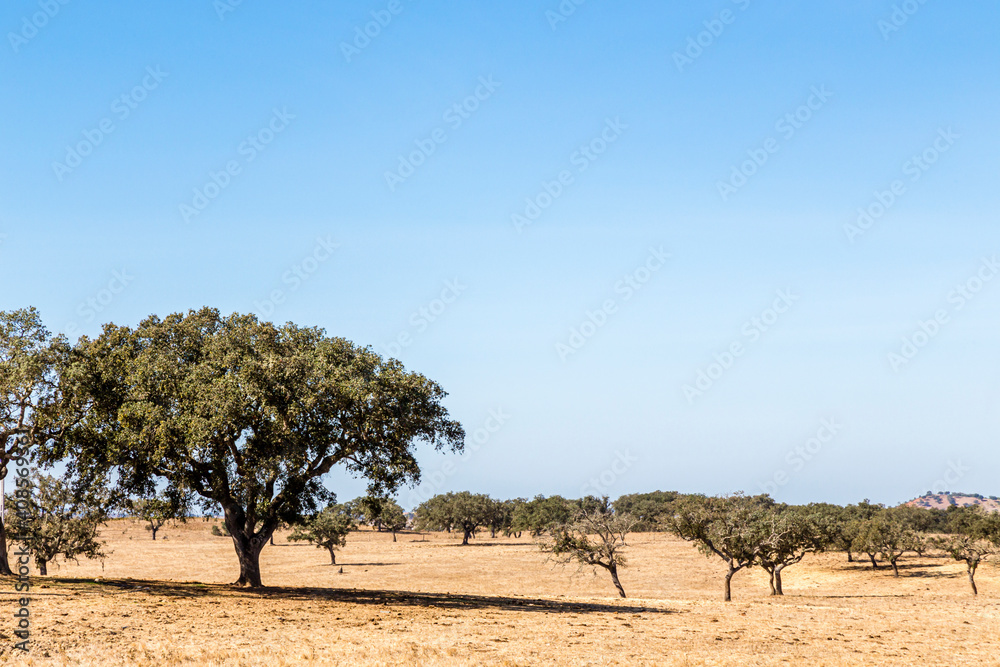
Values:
[(425, 600)]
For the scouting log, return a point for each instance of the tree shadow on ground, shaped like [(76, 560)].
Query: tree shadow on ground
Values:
[(356, 596)]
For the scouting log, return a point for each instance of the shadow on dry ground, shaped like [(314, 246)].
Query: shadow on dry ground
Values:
[(354, 596)]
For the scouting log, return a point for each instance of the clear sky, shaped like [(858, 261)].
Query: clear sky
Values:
[(567, 215)]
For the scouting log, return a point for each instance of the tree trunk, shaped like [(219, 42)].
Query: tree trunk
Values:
[(493, 533), (393, 536), (777, 579), (874, 564), (4, 564), (333, 556), (465, 537), (614, 577), (972, 580), (153, 529), (771, 582), (271, 540), (728, 591), (42, 570), (895, 570), (850, 556), (248, 548)]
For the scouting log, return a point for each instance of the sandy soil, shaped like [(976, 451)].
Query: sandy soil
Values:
[(425, 600)]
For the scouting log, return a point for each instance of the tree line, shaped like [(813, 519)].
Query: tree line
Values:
[(243, 419), (742, 531)]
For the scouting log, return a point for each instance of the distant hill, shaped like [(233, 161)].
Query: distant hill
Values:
[(941, 501)]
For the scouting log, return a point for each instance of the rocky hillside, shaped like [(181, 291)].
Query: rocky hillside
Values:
[(942, 501)]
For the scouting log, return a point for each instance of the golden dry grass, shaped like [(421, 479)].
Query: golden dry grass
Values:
[(428, 601)]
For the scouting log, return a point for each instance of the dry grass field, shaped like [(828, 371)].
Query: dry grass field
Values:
[(425, 600)]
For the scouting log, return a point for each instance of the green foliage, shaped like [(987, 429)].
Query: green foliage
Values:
[(220, 532), (159, 509), (540, 514), (593, 535), (380, 513), (250, 416), (327, 530), (60, 518), (453, 511), (885, 534), (650, 510)]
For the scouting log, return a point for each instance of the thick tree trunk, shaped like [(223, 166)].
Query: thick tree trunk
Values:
[(874, 564), (972, 580), (728, 590), (333, 556), (42, 569), (614, 577), (248, 548), (895, 570), (770, 581), (4, 564), (777, 579), (465, 537), (850, 556)]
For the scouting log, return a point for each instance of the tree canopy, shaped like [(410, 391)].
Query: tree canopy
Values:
[(250, 416)]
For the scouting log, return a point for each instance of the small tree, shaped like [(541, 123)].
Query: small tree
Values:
[(594, 536), (793, 533), (381, 513), (730, 527), (463, 510), (159, 509), (885, 535), (59, 517), (327, 530), (972, 539)]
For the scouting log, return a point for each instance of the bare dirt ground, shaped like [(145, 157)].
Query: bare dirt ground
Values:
[(425, 600)]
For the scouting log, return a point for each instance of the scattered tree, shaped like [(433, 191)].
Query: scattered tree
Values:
[(973, 538), (59, 517), (327, 530), (159, 509), (594, 535), (885, 535), (464, 510)]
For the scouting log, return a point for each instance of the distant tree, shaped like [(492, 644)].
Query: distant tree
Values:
[(327, 530), (885, 535), (731, 527), (540, 514), (59, 517), (499, 516), (378, 512), (251, 416), (793, 532), (850, 523), (464, 510), (159, 509), (514, 508), (594, 535), (30, 358), (650, 510), (973, 537)]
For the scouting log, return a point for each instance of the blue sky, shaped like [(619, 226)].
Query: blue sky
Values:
[(163, 156)]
